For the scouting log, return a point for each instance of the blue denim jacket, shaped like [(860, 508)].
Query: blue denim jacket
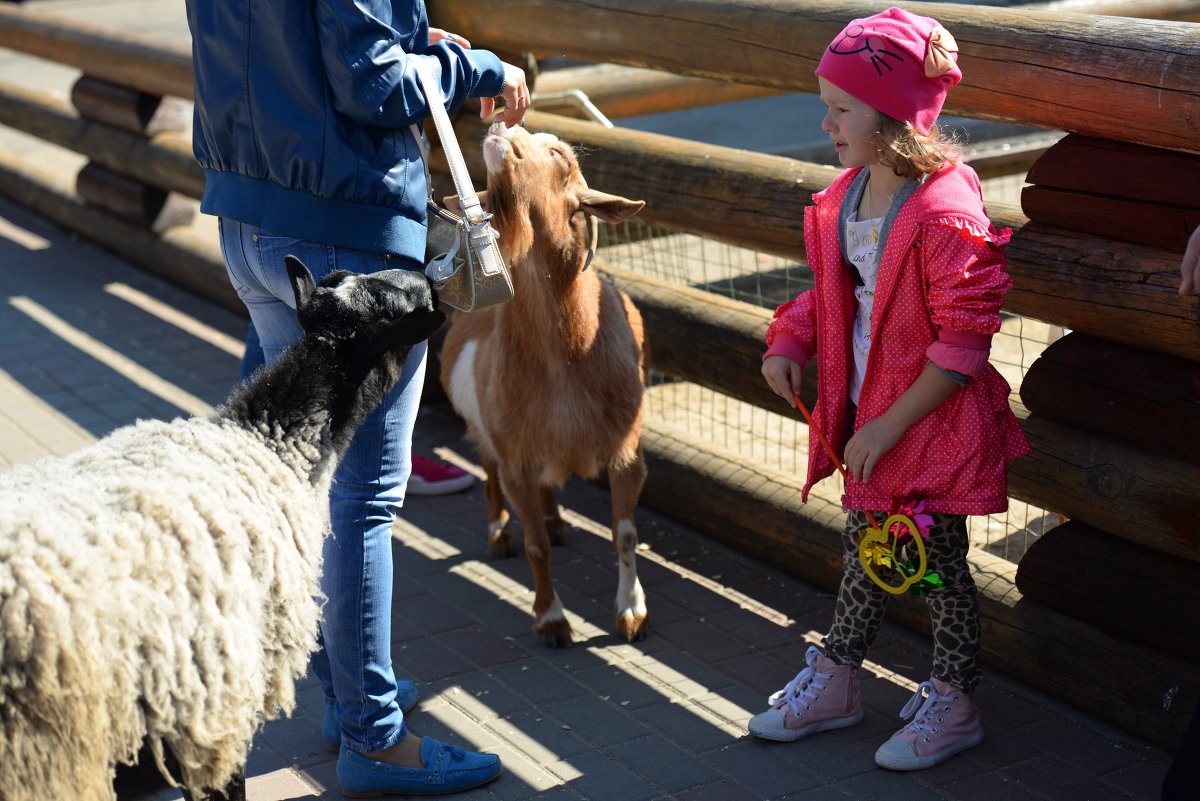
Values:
[(302, 115)]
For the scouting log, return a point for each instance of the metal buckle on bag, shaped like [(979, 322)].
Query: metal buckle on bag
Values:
[(481, 236), (441, 267)]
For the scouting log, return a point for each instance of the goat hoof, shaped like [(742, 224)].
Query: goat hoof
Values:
[(632, 627), (501, 547), (555, 635)]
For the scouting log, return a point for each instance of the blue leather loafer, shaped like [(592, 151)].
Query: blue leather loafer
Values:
[(448, 769), (331, 730)]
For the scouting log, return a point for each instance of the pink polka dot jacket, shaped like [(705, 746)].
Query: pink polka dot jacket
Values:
[(941, 283)]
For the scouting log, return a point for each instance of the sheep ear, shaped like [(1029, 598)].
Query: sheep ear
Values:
[(301, 280), (610, 208)]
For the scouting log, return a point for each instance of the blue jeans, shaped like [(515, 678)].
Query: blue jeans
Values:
[(354, 661)]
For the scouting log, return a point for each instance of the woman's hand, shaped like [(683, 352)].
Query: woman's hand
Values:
[(515, 91), (783, 377), (516, 98), (437, 34)]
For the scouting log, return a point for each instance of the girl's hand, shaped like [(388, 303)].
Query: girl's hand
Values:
[(437, 34), (516, 98), (783, 377), (868, 446)]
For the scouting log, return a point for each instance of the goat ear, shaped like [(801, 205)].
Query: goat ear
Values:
[(301, 280), (610, 208), (455, 205)]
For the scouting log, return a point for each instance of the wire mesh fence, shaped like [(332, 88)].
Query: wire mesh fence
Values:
[(776, 441)]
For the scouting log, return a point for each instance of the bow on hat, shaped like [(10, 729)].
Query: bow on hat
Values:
[(938, 58)]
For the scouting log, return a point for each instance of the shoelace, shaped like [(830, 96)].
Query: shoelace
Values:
[(799, 691), (925, 718)]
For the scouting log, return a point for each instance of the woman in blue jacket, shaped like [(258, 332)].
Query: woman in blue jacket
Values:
[(302, 123)]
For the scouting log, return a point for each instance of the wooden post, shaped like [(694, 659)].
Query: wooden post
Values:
[(143, 115), (1148, 399), (1129, 192), (164, 160), (1133, 592), (128, 109)]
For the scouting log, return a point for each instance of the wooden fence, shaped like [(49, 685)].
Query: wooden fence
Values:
[(1099, 611)]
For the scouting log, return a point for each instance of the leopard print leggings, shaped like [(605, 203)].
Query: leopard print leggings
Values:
[(954, 609)]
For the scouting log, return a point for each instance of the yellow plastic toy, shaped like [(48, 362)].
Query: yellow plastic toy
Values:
[(878, 544), (878, 547)]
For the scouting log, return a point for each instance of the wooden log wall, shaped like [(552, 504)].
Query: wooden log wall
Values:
[(140, 115), (1115, 78), (1146, 398), (1103, 78), (1086, 282)]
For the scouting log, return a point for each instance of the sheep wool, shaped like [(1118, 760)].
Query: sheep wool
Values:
[(161, 586), (138, 603)]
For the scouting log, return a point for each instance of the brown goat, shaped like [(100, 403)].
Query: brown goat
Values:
[(551, 384)]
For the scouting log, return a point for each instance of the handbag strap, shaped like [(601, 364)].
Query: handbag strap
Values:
[(467, 198)]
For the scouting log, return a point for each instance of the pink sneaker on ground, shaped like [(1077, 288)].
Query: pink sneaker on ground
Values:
[(823, 696), (946, 723), (436, 478)]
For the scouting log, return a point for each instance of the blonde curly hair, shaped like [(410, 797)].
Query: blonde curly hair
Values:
[(912, 154)]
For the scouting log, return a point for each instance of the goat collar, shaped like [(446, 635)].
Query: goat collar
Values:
[(593, 224)]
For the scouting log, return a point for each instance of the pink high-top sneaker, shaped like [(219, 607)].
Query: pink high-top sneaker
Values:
[(823, 696), (946, 722)]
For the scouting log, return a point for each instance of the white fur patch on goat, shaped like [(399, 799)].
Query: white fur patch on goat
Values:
[(463, 391), (555, 612), (631, 599)]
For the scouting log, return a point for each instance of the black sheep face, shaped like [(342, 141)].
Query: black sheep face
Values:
[(379, 312)]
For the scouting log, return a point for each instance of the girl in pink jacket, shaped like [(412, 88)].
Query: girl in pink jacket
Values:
[(910, 276)]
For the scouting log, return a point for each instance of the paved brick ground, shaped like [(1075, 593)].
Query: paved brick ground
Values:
[(91, 343)]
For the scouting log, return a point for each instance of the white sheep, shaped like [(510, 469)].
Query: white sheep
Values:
[(161, 585)]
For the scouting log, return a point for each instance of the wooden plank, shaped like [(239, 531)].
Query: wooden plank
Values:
[(128, 109), (629, 92), (1087, 282), (1114, 290), (1128, 591), (155, 64), (180, 255), (1148, 399), (1147, 498), (142, 205), (707, 339), (1121, 170), (748, 199), (165, 160), (1145, 223), (1111, 77), (1179, 10)]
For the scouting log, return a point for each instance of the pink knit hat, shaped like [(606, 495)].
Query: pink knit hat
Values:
[(895, 62)]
